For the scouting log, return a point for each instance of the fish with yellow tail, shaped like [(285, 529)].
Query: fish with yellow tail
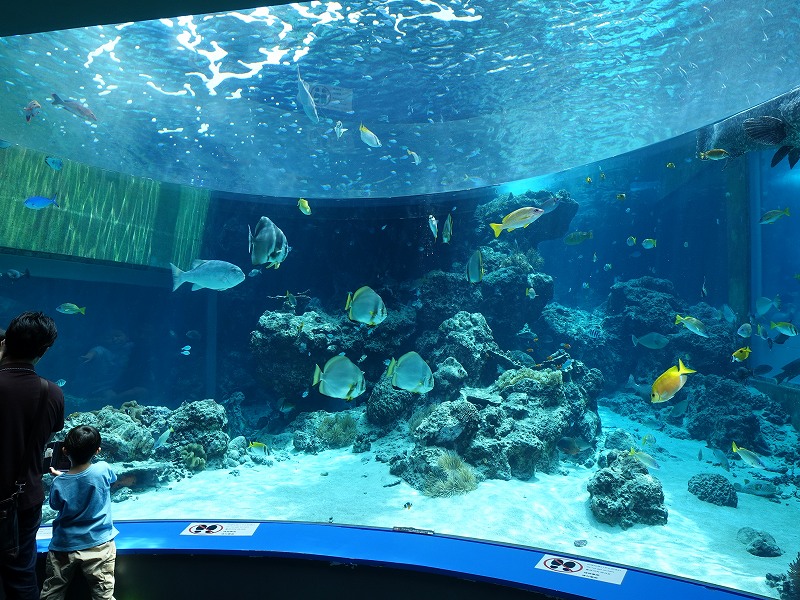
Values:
[(369, 138), (339, 378), (366, 306), (741, 354), (751, 458), (522, 217), (644, 458), (696, 326), (714, 154), (304, 206), (669, 383)]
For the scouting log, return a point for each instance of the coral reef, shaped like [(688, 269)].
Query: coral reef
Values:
[(713, 488), (193, 457), (317, 431), (124, 439), (337, 431), (453, 477), (386, 404), (624, 494), (202, 422)]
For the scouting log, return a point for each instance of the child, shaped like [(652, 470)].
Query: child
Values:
[(83, 532)]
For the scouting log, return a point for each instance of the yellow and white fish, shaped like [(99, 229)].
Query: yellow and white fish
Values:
[(369, 138), (669, 383), (414, 156), (340, 378), (475, 267), (522, 217), (410, 372), (365, 306), (694, 325), (304, 207), (339, 129), (644, 458), (784, 327), (741, 354), (751, 458)]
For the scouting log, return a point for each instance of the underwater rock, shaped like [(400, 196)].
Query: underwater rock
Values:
[(467, 338), (317, 431), (619, 439), (721, 411), (435, 471), (759, 543), (713, 488), (449, 378), (386, 404), (624, 494), (449, 424), (550, 226), (124, 439), (193, 457), (202, 422), (237, 452)]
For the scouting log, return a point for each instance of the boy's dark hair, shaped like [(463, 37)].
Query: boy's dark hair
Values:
[(82, 443), (29, 335)]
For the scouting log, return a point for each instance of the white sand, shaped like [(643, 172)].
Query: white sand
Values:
[(699, 540)]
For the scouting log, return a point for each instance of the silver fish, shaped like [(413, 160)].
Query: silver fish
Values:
[(267, 246), (306, 100), (447, 231), (211, 274), (434, 225)]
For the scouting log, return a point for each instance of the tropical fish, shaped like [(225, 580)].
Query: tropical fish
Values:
[(652, 340), (185, 352), (210, 274), (40, 202), (411, 373), (407, 505), (594, 257), (669, 383), (414, 156), (719, 455), (789, 371), (784, 327), (679, 409), (648, 438), (447, 231), (670, 165), (549, 204), (475, 267), (287, 407), (14, 274), (74, 107), (258, 448), (694, 325), (741, 354), (340, 378), (640, 388), (751, 458), (585, 285), (306, 100), (644, 458), (186, 348), (607, 267), (764, 305), (578, 237), (728, 314), (588, 180), (522, 217), (268, 245), (648, 244), (304, 207), (162, 439), (339, 129), (775, 131), (572, 445), (291, 300), (68, 308), (369, 138), (631, 241), (745, 331), (54, 163), (530, 293), (714, 154), (31, 110), (365, 306), (434, 226), (254, 273), (621, 197), (773, 215), (61, 382)]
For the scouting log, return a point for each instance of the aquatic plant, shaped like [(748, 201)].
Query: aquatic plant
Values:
[(455, 477), (419, 416), (794, 578), (337, 431), (194, 457), (511, 377), (133, 410)]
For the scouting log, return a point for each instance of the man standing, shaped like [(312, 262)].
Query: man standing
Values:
[(27, 338)]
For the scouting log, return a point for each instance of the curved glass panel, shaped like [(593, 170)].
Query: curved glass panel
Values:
[(481, 93), (531, 336)]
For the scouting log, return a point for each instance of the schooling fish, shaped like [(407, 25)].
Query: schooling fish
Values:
[(669, 383), (741, 354), (68, 308), (365, 306), (40, 202), (644, 458), (304, 207), (410, 372), (268, 245), (447, 231), (475, 267), (369, 138), (162, 439), (694, 325), (306, 100), (340, 378), (434, 226), (751, 458), (522, 217), (652, 340), (74, 107), (31, 110)]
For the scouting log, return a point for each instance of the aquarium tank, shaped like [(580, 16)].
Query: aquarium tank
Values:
[(520, 272)]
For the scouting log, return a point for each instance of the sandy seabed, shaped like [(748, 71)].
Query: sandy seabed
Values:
[(549, 511)]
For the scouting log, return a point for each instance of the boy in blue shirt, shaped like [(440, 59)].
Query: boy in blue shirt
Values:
[(83, 532)]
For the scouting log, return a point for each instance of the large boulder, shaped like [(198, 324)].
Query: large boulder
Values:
[(713, 488)]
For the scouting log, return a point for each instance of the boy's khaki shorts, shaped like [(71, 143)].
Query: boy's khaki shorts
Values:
[(96, 564)]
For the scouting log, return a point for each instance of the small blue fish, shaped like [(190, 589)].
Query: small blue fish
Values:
[(185, 352), (567, 364), (304, 394), (54, 163), (186, 348), (254, 273), (39, 202), (61, 382)]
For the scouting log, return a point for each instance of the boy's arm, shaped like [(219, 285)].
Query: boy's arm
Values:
[(56, 502)]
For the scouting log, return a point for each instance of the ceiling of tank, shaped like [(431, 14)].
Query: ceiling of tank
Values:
[(377, 99)]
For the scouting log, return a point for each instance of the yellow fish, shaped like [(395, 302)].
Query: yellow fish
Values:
[(369, 138), (751, 458), (669, 383), (714, 154), (302, 204), (741, 354), (522, 217), (588, 180)]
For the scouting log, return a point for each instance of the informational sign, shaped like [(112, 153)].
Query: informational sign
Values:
[(221, 529), (581, 568), (332, 98), (44, 533)]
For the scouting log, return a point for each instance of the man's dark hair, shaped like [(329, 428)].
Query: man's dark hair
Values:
[(29, 335), (82, 443)]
